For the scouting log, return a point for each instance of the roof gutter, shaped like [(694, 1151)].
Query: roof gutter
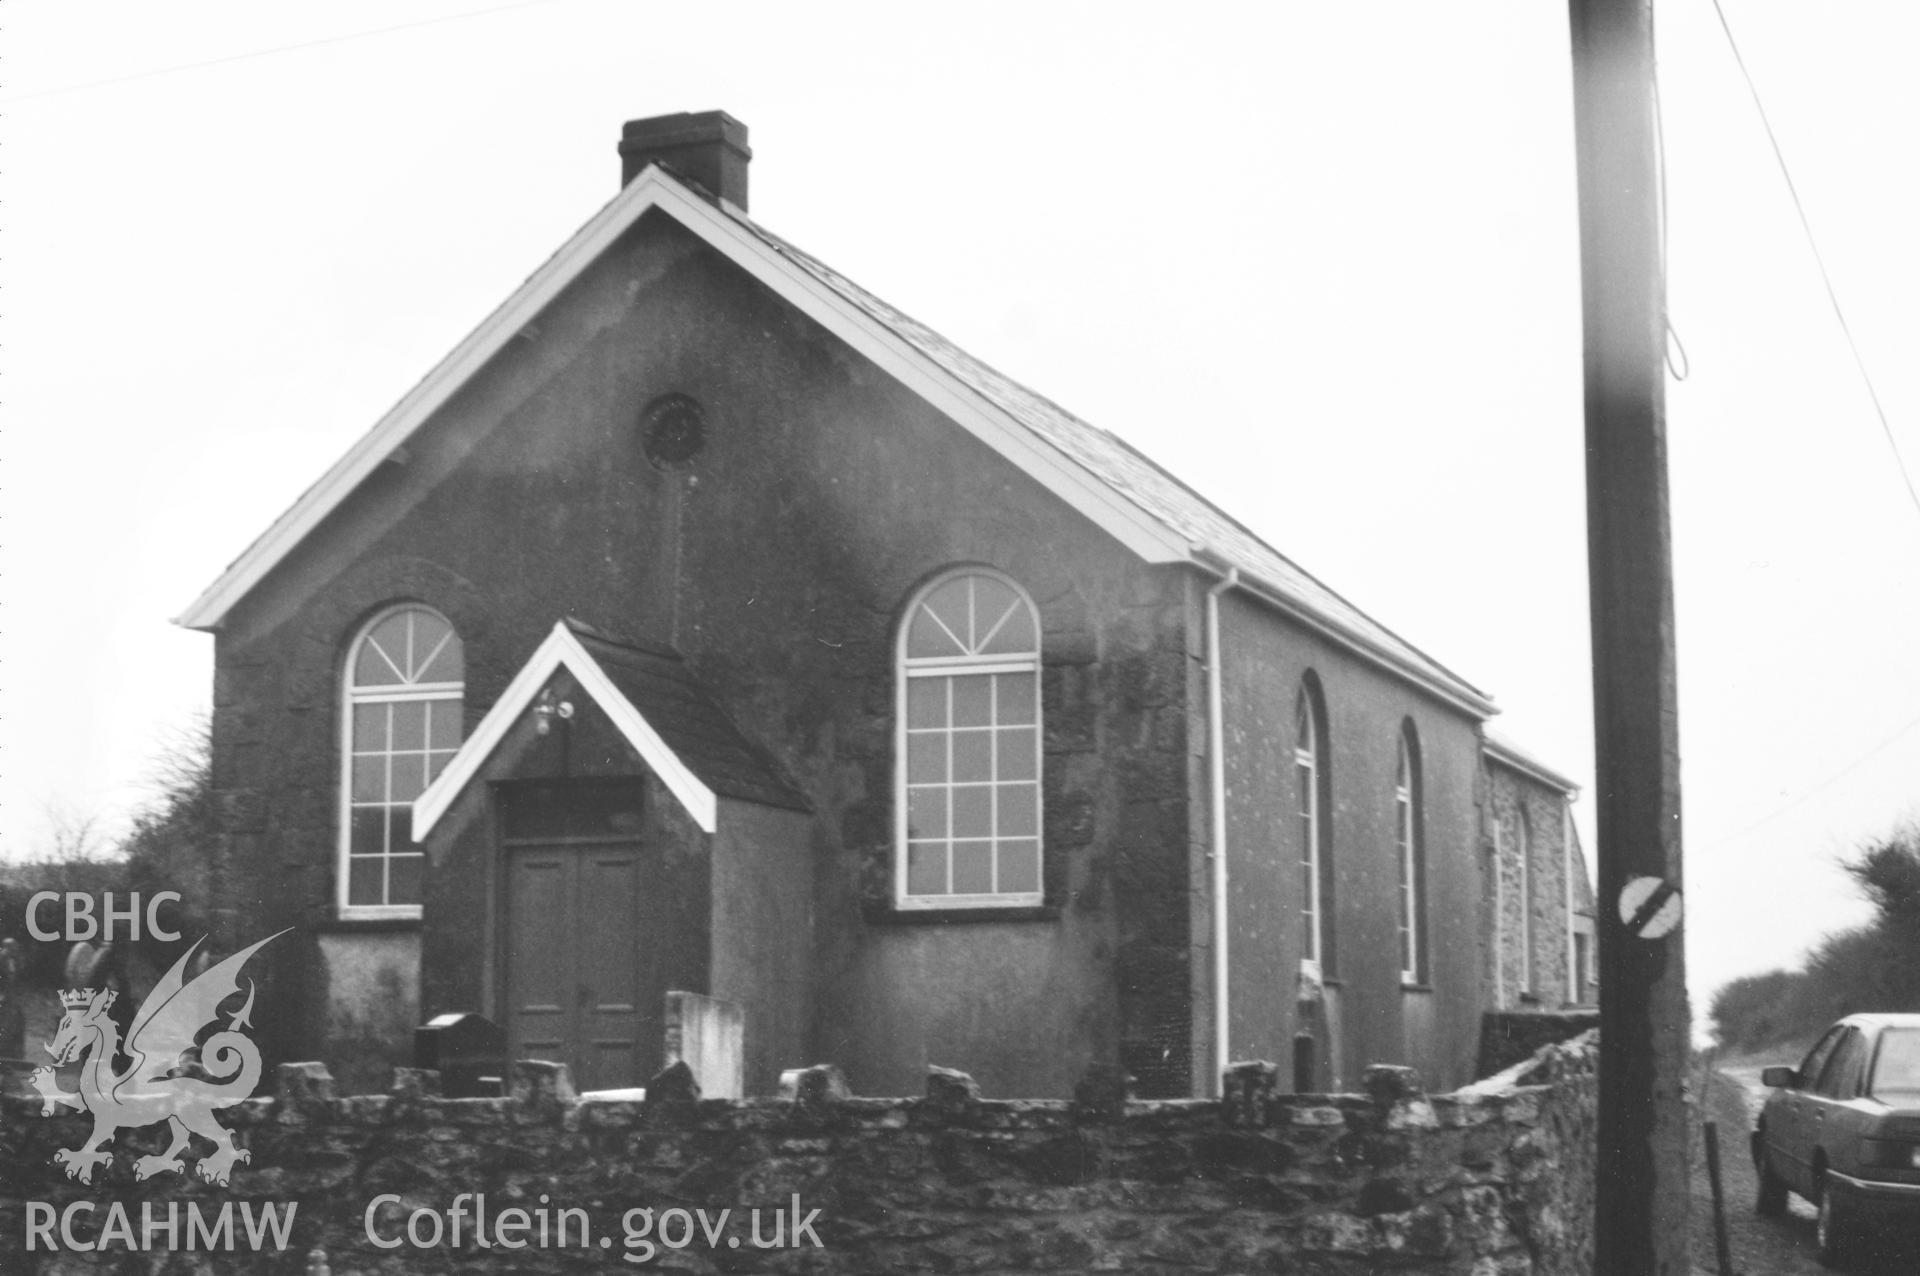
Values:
[(1451, 691)]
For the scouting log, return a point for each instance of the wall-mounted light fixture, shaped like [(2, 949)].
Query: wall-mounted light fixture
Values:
[(547, 709)]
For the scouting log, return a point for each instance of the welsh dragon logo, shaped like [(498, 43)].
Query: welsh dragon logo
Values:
[(170, 1079)]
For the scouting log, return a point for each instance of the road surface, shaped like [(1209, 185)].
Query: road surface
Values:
[(1760, 1246)]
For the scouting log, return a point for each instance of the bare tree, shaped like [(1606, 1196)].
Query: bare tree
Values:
[(73, 836)]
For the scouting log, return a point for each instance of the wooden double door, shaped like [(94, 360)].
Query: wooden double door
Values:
[(581, 978)]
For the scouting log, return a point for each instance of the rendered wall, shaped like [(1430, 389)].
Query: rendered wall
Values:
[(779, 563), (762, 941), (373, 999), (1432, 1025)]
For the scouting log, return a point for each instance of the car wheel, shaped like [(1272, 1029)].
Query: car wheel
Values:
[(1771, 1200), (1833, 1232)]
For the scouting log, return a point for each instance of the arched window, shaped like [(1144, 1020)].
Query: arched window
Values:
[(1499, 914), (402, 720), (1408, 851), (967, 793), (1524, 852), (1310, 788)]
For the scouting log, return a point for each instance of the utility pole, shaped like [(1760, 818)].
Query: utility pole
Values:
[(1640, 1208)]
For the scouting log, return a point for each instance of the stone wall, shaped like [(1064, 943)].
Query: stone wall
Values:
[(1527, 962), (1509, 1036), (1494, 1180)]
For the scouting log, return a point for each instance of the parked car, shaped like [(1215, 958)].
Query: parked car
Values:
[(1843, 1130)]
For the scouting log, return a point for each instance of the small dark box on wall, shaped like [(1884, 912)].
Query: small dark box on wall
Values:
[(468, 1051)]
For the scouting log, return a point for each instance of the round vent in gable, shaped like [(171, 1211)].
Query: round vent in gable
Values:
[(673, 429)]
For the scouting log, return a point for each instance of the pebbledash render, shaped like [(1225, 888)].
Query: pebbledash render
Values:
[(702, 623)]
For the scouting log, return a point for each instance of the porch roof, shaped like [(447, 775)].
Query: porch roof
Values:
[(676, 726)]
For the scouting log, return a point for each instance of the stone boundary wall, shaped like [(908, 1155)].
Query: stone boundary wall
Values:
[(1492, 1180), (1508, 1037)]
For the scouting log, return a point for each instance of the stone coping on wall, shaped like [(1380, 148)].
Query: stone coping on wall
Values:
[(542, 1093), (1495, 1178)]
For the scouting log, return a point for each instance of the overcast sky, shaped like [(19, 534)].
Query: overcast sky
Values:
[(1319, 260)]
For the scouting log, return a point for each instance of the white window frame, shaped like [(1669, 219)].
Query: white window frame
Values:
[(1499, 914), (350, 697), (908, 669), (1307, 765), (1406, 810), (1566, 895), (1524, 836)]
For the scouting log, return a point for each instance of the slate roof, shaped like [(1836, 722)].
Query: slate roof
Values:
[(657, 682), (1119, 465), (1506, 752)]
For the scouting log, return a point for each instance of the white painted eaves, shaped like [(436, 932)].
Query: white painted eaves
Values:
[(654, 188), (561, 650), (1141, 505)]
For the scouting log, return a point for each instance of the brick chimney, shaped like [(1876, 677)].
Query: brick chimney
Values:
[(708, 147)]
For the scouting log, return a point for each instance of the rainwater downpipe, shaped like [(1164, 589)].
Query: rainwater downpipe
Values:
[(1217, 800)]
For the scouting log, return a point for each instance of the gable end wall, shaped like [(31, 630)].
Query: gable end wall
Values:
[(778, 563)]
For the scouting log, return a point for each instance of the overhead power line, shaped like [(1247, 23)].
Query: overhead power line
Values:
[(1826, 279), (262, 53), (1825, 784)]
